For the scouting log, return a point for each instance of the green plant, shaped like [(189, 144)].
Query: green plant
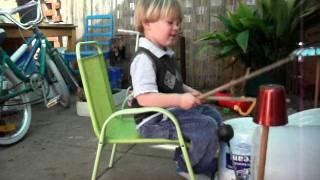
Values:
[(258, 36)]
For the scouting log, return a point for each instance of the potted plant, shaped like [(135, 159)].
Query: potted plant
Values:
[(258, 36)]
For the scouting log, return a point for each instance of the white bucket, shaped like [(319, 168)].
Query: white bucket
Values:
[(306, 117), (241, 145), (83, 109), (293, 150), (292, 153)]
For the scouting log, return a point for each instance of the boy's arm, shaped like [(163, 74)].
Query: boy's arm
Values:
[(189, 89), (194, 92), (184, 101)]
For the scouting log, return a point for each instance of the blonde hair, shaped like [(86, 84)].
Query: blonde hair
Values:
[(153, 10)]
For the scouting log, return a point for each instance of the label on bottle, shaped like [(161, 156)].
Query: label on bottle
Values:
[(241, 161)]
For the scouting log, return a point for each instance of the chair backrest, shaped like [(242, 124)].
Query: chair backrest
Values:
[(99, 28), (96, 86)]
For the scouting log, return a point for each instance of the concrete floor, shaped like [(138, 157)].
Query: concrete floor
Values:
[(62, 145)]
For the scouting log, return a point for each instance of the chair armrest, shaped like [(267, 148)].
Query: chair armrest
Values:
[(133, 111), (129, 94), (125, 101)]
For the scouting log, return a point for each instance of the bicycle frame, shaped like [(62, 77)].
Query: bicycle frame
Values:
[(16, 81), (5, 65), (38, 40), (29, 24), (52, 52)]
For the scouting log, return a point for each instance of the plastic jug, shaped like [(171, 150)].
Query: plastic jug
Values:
[(241, 149)]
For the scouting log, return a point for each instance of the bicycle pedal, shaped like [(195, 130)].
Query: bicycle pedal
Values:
[(52, 102)]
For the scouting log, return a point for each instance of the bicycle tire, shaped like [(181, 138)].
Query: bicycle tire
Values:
[(15, 117), (64, 70), (58, 84)]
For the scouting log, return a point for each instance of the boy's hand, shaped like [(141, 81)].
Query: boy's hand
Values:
[(188, 100), (197, 94)]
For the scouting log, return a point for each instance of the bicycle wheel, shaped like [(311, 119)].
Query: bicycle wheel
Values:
[(57, 83), (15, 116), (66, 74)]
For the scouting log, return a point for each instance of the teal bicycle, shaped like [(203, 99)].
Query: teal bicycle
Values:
[(34, 67)]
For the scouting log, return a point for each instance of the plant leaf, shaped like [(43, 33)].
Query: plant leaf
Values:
[(207, 36), (243, 39), (220, 36), (234, 22), (254, 23), (227, 49), (206, 49), (244, 11), (227, 22)]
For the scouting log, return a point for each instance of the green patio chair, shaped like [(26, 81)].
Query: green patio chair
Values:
[(111, 126)]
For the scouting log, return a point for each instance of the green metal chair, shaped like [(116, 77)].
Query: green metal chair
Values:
[(111, 126)]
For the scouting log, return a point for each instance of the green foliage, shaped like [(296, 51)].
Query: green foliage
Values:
[(261, 35)]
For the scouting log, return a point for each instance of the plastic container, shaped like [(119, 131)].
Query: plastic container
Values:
[(82, 109), (115, 77), (118, 97), (241, 149), (292, 149), (71, 61), (306, 117), (293, 153)]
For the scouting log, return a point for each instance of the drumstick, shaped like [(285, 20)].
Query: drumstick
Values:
[(246, 77), (225, 98)]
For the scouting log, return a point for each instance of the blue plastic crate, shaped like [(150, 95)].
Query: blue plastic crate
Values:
[(115, 72), (70, 58), (115, 77)]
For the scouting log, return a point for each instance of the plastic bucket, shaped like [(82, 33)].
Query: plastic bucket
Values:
[(115, 77), (306, 117), (240, 145), (293, 153), (292, 149)]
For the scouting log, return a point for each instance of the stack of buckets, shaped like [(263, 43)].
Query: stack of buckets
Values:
[(292, 149)]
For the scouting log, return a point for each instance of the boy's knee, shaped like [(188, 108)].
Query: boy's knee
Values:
[(211, 128), (212, 122), (213, 113)]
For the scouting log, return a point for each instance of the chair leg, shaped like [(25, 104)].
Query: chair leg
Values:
[(97, 160), (187, 161), (113, 152)]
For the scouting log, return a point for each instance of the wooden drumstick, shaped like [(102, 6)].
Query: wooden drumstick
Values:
[(246, 77)]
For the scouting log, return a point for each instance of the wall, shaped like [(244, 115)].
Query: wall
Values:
[(75, 11), (8, 4)]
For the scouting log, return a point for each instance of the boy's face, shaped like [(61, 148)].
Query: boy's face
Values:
[(162, 32)]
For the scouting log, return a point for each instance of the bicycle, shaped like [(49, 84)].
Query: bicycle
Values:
[(49, 73)]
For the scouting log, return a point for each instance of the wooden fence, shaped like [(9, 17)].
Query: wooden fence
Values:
[(202, 69)]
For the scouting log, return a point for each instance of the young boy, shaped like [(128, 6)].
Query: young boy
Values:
[(157, 82)]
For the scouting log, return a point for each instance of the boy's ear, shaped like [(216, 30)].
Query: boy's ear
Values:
[(146, 25)]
